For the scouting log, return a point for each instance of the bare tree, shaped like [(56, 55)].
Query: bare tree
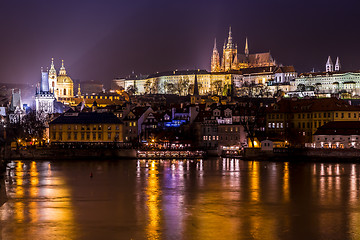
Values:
[(169, 88), (132, 90), (217, 86), (181, 87), (147, 86)]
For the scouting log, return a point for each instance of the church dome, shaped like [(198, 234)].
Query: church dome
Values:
[(64, 79)]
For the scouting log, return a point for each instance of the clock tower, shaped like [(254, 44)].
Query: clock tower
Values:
[(52, 78), (44, 98)]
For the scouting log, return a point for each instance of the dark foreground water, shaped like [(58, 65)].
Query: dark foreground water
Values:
[(211, 199)]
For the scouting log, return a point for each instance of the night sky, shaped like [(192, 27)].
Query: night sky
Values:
[(100, 40)]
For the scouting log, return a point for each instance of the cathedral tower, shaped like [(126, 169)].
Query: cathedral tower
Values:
[(337, 64), (215, 59), (229, 53), (329, 65)]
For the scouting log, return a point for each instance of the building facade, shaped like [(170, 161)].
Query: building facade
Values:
[(296, 120), (86, 127)]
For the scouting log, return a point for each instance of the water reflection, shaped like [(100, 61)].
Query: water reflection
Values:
[(153, 202), (35, 203), (181, 199)]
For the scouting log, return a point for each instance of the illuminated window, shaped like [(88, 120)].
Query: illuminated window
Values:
[(109, 128)]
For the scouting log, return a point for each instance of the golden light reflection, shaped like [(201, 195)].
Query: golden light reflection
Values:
[(34, 181), (254, 172), (286, 192), (153, 203), (19, 192), (32, 205)]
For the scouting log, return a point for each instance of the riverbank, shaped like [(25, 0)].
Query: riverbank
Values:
[(303, 154), (70, 154)]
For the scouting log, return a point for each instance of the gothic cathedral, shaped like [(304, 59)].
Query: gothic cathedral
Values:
[(232, 60)]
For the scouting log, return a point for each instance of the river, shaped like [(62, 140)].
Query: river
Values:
[(207, 199)]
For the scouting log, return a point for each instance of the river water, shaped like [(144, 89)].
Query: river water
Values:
[(209, 199)]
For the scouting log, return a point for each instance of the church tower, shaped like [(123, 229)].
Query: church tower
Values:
[(44, 99), (337, 64), (65, 86), (329, 65), (52, 77), (229, 53), (215, 59)]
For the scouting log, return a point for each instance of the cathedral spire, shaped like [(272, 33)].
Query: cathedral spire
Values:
[(62, 69), (246, 47), (329, 65), (230, 42), (337, 64), (215, 59)]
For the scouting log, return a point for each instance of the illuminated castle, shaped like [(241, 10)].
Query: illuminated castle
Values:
[(232, 60)]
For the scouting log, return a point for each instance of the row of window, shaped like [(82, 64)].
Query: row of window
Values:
[(83, 127), (216, 138), (84, 136), (315, 115), (101, 97), (275, 125), (130, 124)]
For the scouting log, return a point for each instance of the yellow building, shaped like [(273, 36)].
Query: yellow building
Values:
[(61, 85), (296, 120), (83, 127)]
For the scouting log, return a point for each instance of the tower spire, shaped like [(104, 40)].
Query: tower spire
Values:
[(230, 42), (215, 59), (62, 69), (329, 65), (246, 47), (337, 64), (196, 87)]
